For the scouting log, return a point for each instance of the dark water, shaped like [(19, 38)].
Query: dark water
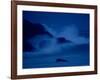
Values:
[(67, 58)]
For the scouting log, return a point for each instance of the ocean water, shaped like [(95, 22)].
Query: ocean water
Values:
[(62, 58)]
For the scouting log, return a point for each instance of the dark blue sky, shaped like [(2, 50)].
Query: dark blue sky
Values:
[(59, 21)]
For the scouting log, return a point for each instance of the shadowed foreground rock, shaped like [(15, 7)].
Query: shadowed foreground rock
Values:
[(61, 60)]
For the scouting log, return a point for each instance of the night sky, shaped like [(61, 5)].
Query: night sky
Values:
[(59, 21)]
